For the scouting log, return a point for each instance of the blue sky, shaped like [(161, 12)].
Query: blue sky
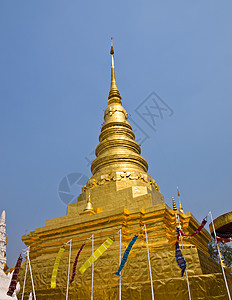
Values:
[(55, 77)]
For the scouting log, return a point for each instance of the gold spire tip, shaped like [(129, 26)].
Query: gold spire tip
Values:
[(114, 95), (178, 193)]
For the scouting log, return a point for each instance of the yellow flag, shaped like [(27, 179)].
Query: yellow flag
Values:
[(55, 268), (96, 255)]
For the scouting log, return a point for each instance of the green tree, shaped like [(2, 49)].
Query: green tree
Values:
[(226, 252)]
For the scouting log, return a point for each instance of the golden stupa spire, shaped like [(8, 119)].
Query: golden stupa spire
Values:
[(117, 151), (174, 204), (114, 95), (180, 206), (176, 213)]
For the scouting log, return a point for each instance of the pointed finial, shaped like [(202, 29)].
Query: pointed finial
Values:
[(114, 95), (180, 206), (178, 193), (89, 206), (3, 217), (174, 204), (112, 48)]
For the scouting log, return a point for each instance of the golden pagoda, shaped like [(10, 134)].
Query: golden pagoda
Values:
[(121, 195)]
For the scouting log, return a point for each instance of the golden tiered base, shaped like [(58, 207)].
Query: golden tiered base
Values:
[(144, 205)]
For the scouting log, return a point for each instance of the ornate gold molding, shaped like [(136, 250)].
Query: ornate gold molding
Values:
[(118, 176)]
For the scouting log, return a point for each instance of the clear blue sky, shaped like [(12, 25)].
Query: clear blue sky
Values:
[(55, 77)]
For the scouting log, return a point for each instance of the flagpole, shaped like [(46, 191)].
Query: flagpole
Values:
[(32, 282), (92, 267), (70, 247), (24, 282), (223, 272), (149, 263), (186, 273), (120, 254)]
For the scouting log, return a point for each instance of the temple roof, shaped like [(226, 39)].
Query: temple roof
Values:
[(223, 225)]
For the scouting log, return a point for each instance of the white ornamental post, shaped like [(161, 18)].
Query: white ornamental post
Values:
[(2, 240)]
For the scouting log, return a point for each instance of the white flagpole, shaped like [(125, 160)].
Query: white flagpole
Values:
[(186, 273), (32, 282), (223, 272), (70, 247), (92, 266), (120, 253), (24, 282), (149, 263)]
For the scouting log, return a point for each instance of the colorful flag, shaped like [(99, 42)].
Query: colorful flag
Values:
[(75, 263), (55, 268), (198, 229), (179, 257), (96, 255), (13, 282), (125, 255), (224, 240), (223, 235)]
